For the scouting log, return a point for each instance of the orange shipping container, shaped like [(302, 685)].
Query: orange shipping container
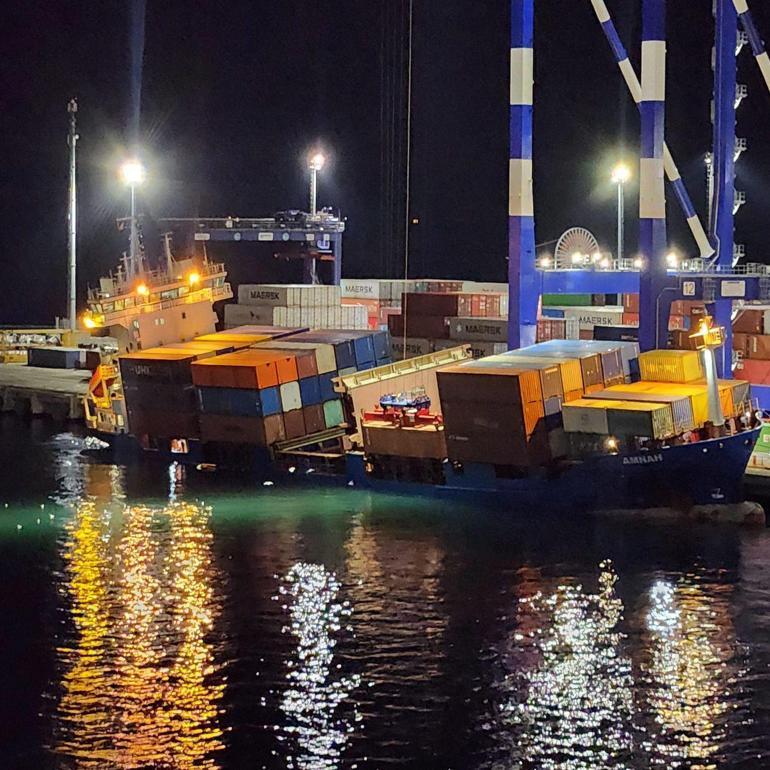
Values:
[(244, 369)]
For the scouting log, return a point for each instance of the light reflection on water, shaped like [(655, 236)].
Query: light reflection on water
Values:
[(572, 702), (315, 731), (409, 636), (140, 686)]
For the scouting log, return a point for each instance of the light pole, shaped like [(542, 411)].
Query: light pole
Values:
[(133, 173), (72, 139), (316, 163), (620, 175)]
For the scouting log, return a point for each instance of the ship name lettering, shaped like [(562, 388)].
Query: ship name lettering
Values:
[(643, 459)]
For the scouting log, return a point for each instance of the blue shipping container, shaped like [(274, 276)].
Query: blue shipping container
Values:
[(310, 390), (327, 387), (381, 342), (271, 401)]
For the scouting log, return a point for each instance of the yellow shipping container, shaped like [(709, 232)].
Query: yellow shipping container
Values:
[(677, 366)]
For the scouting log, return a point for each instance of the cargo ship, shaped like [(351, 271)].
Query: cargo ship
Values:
[(569, 424)]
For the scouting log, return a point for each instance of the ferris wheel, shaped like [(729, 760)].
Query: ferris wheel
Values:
[(575, 247)]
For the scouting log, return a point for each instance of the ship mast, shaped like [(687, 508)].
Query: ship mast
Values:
[(72, 138)]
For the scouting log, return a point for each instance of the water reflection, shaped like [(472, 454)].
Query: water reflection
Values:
[(316, 730), (572, 682), (142, 686), (687, 671)]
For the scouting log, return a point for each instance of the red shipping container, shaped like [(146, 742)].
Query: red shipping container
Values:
[(630, 319), (426, 327), (759, 347), (430, 304), (314, 418), (551, 329), (741, 343), (676, 322), (631, 303), (749, 322), (757, 372), (294, 423)]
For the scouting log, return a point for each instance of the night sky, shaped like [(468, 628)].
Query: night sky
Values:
[(234, 94)]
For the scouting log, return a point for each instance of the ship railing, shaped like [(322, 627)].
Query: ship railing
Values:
[(151, 279)]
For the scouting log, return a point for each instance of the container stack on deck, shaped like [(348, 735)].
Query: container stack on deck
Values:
[(252, 385), (751, 341), (294, 305)]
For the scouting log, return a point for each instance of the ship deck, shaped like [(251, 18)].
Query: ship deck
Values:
[(54, 392)]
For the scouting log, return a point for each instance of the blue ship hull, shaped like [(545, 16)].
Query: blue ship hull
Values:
[(706, 473)]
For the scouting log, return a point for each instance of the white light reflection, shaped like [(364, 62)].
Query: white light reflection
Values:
[(316, 731), (687, 672), (575, 703)]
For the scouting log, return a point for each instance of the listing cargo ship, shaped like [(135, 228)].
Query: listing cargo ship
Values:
[(142, 308), (574, 424)]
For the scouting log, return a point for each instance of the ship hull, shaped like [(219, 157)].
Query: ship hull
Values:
[(680, 477)]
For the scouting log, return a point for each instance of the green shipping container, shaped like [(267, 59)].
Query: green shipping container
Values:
[(763, 442), (333, 415), (568, 300)]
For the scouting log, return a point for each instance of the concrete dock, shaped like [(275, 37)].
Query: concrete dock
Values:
[(57, 393)]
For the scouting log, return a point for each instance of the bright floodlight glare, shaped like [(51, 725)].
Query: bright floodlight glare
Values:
[(621, 173), (317, 161), (638, 263), (89, 322), (605, 263), (193, 278), (545, 261), (133, 173), (596, 256), (577, 258), (672, 260)]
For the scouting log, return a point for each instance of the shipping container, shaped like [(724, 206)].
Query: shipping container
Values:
[(315, 422), (414, 347), (310, 391), (492, 413), (758, 347), (294, 423), (587, 416), (590, 362), (477, 349), (478, 329), (56, 357), (682, 412), (755, 371), (333, 414), (625, 333), (290, 396), (749, 322), (255, 431), (550, 372), (430, 327), (155, 396), (571, 300), (675, 366), (569, 369), (289, 295), (344, 352), (163, 423), (640, 420), (240, 401), (157, 365), (325, 360), (242, 369), (697, 392), (426, 441)]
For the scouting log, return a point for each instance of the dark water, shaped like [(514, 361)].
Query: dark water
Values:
[(157, 618)]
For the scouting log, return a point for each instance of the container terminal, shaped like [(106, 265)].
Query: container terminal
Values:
[(607, 381)]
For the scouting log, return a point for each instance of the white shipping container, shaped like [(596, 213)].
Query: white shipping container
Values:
[(288, 295), (478, 349), (482, 329), (241, 315), (324, 354), (582, 416), (588, 317), (290, 396), (361, 288), (484, 287), (415, 346)]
